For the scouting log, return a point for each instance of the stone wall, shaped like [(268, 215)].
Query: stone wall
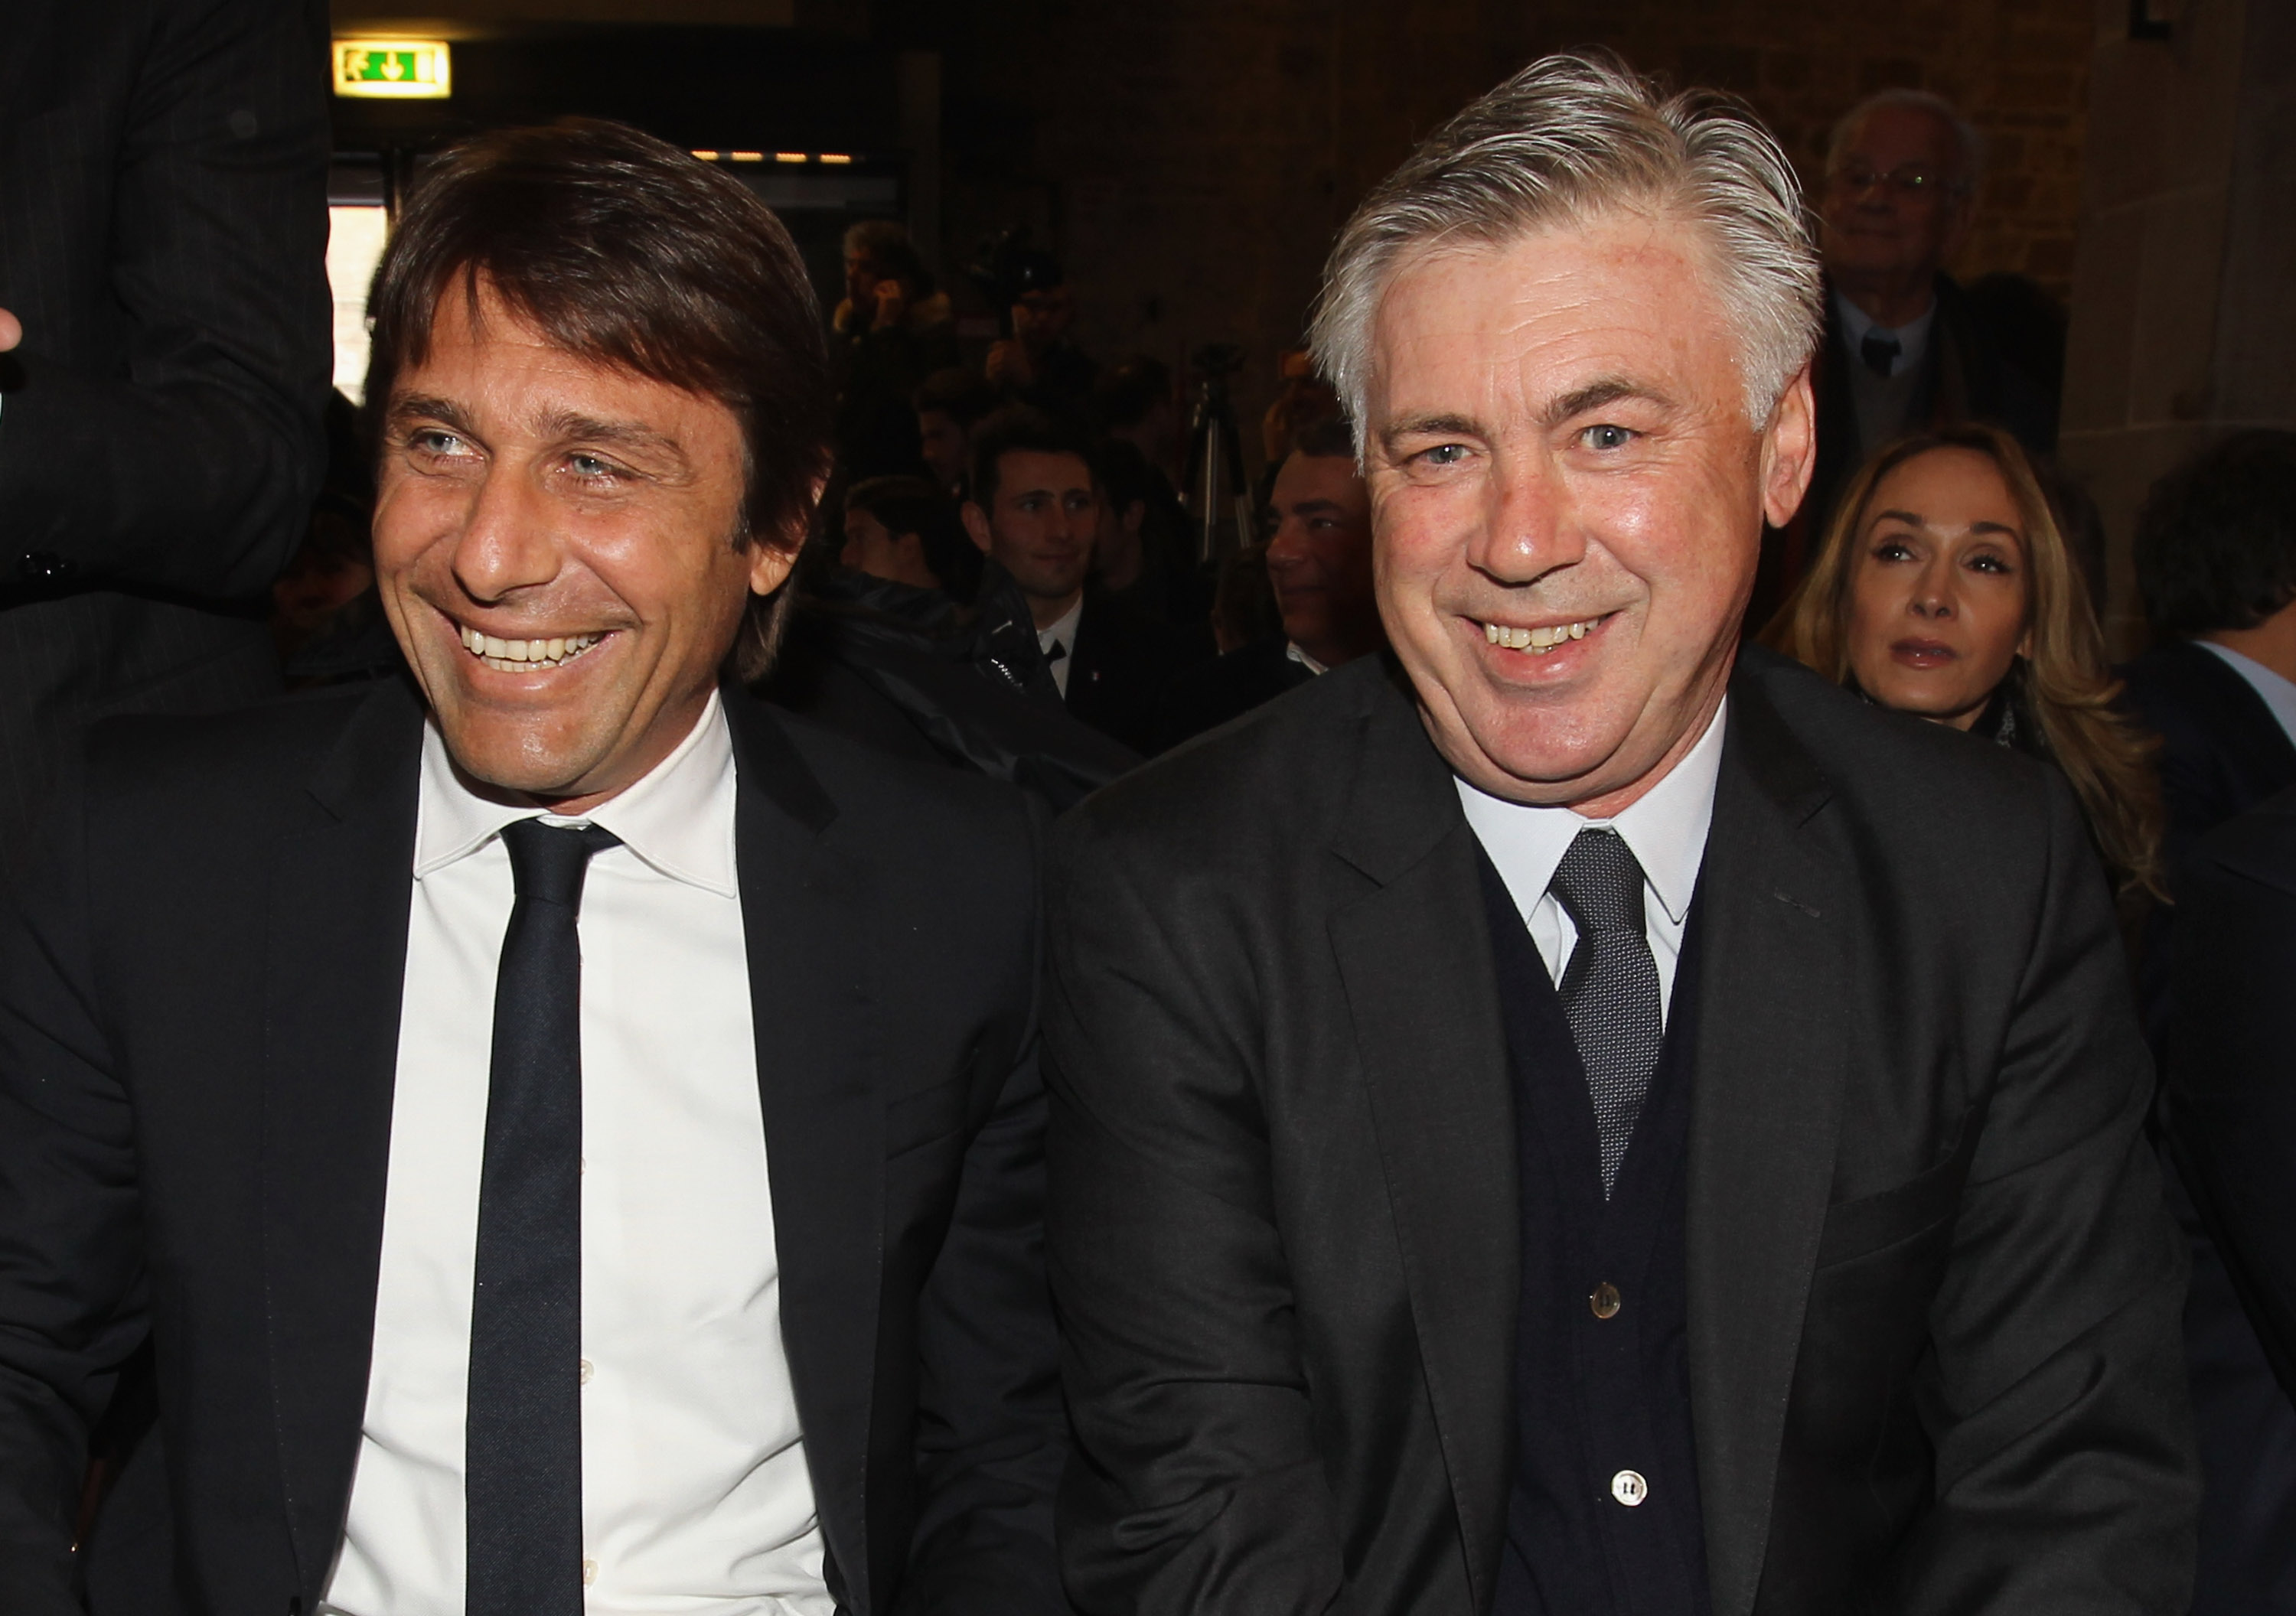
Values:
[(2183, 327), (1191, 160)]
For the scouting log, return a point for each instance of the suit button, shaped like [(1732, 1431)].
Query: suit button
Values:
[(1604, 1300), (1628, 1488)]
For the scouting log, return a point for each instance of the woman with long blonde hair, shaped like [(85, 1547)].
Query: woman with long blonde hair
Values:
[(1946, 589)]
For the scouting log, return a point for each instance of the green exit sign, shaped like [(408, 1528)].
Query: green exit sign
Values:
[(415, 68)]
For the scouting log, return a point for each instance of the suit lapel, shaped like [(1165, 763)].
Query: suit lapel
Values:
[(336, 937), (1414, 961), (1764, 1118), (805, 909)]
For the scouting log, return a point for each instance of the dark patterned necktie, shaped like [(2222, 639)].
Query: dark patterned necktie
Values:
[(522, 1454), (1609, 988), (1880, 355)]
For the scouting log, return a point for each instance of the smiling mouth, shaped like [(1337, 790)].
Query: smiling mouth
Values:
[(1542, 639), (524, 655)]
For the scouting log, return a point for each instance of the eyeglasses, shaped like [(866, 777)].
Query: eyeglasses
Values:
[(1912, 183)]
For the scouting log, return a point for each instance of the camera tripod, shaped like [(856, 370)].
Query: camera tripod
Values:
[(1218, 497)]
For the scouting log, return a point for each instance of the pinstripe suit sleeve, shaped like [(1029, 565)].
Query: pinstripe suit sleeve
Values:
[(184, 458)]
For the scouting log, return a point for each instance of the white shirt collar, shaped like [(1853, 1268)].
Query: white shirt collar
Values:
[(2278, 694), (1912, 338), (1292, 649), (1665, 828), (679, 819), (1063, 630)]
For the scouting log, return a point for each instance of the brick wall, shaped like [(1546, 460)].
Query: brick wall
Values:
[(1191, 159)]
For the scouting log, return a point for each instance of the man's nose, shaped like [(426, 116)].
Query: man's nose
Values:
[(507, 542), (1530, 524)]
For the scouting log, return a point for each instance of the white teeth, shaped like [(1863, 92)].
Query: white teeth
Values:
[(1541, 639), (518, 655)]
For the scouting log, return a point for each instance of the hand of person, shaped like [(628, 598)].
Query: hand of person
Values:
[(11, 330), (1008, 364), (892, 305)]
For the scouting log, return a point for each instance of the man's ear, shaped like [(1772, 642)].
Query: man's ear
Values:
[(976, 523), (769, 565), (1790, 450)]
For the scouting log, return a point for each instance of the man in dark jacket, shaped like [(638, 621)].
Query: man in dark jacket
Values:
[(2216, 565), (1574, 1117), (568, 1131), (1903, 349), (163, 231)]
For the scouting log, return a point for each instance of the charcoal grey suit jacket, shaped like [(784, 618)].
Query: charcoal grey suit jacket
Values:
[(163, 231), (199, 1001), (1934, 1360)]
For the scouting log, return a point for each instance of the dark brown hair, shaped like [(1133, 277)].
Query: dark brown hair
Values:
[(628, 252)]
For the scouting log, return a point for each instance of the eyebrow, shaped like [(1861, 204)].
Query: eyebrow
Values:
[(1915, 519), (1595, 394)]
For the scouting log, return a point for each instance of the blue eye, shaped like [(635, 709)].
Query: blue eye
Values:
[(1607, 437), (1444, 454)]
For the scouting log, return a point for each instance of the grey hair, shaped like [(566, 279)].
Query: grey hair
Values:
[(1566, 140), (1968, 144)]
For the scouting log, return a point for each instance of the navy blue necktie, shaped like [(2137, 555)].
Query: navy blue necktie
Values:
[(1609, 988), (1880, 355), (522, 1453)]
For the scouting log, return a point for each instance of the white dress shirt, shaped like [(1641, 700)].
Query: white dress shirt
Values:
[(1062, 632), (1665, 829), (695, 1495), (2278, 694)]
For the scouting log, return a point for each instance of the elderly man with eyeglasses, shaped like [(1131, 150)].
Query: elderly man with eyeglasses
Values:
[(1904, 347)]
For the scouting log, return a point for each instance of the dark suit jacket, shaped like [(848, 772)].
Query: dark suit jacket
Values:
[(199, 1015), (1227, 688), (163, 231), (1119, 668), (2222, 753), (2233, 1060), (1933, 1295)]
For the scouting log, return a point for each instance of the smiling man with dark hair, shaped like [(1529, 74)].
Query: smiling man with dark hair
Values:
[(485, 1092)]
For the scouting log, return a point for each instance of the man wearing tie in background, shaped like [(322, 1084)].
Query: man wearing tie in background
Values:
[(571, 1134)]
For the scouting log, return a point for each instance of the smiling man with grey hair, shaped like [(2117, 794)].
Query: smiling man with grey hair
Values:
[(1578, 1116)]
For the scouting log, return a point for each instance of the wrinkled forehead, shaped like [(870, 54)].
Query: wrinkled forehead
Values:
[(1625, 296)]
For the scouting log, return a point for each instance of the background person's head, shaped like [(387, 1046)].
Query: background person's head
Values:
[(1119, 547), (905, 531), (1034, 508), (949, 404), (2216, 543), (1932, 578), (880, 255), (1319, 553), (599, 375), (1902, 176), (1574, 328), (1043, 307), (1137, 406), (1945, 580)]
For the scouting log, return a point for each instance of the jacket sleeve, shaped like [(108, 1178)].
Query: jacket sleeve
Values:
[(991, 1435), (193, 470), (72, 1308), (2232, 1074), (2065, 1475), (1196, 1486)]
